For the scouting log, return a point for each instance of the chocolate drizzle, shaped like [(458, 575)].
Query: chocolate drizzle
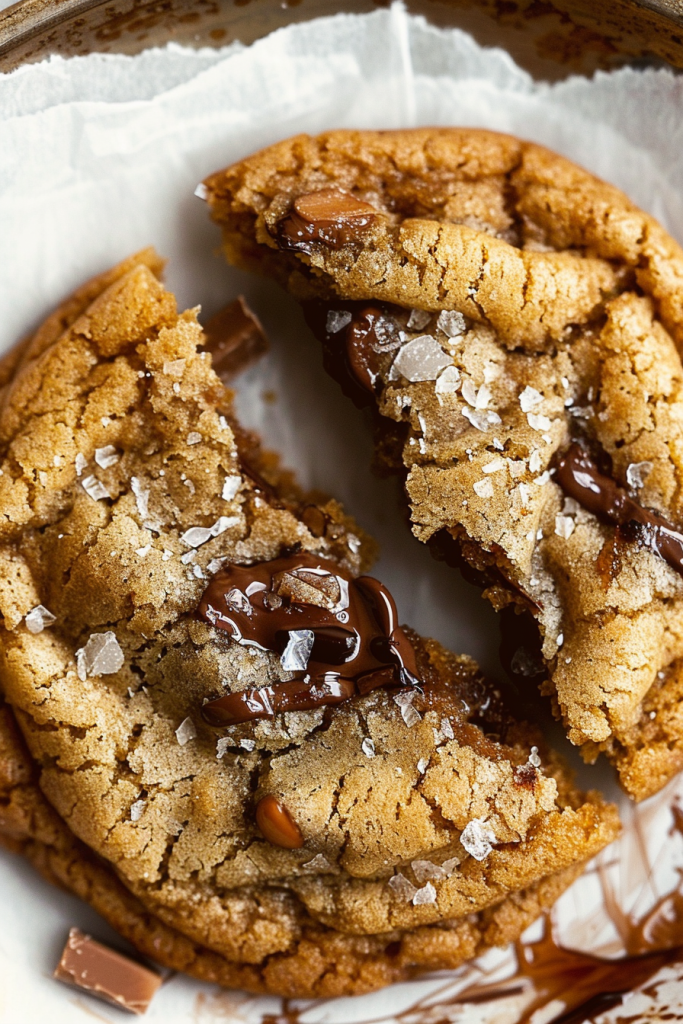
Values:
[(580, 478), (346, 634)]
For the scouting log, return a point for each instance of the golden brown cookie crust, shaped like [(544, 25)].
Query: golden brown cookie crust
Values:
[(567, 289), (117, 439)]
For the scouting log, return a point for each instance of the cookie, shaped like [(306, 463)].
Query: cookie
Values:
[(236, 753), (516, 323)]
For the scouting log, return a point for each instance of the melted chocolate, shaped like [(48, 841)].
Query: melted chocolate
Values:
[(580, 478), (357, 642)]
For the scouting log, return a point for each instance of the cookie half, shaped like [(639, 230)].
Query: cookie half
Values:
[(235, 752), (517, 325)]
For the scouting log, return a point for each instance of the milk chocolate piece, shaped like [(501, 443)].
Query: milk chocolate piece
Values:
[(112, 977), (235, 339), (330, 215)]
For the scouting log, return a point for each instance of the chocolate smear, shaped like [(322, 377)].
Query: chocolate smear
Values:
[(102, 972), (580, 478), (339, 635)]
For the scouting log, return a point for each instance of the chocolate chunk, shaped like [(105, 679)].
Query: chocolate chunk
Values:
[(579, 476), (94, 968), (354, 624), (330, 215), (235, 339)]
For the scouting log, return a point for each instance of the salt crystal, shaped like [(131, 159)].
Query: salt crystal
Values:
[(425, 895), (38, 618), (482, 419), (404, 889), (450, 865), (143, 551), (353, 543), (222, 746), (198, 572), (81, 463), (451, 323), (194, 437), (410, 716), (201, 191), (141, 496), (238, 601), (101, 656), (418, 319), (368, 747), (571, 506), (231, 486), (107, 456), (295, 656), (174, 368), (498, 445), (214, 565), (424, 870), (94, 488), (560, 639), (422, 765), (421, 359), (534, 759), (469, 392), (477, 838), (537, 421), (448, 382), (447, 729), (542, 480), (176, 387), (189, 556), (517, 468), (524, 494), (247, 744), (564, 526), (493, 466), (535, 461), (492, 372), (484, 396), (166, 555), (484, 488), (185, 732), (319, 863), (198, 535), (530, 398), (637, 473), (337, 319), (223, 423), (137, 809)]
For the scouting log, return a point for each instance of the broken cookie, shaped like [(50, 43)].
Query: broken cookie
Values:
[(516, 324), (229, 745)]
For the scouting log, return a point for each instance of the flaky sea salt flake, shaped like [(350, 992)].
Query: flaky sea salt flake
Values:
[(143, 551), (39, 618), (247, 744), (637, 473), (368, 747), (174, 368), (94, 488), (137, 810), (448, 382), (185, 732), (469, 392), (537, 421), (530, 398), (451, 323), (494, 466), (101, 656), (404, 889), (564, 526), (295, 656), (418, 319), (425, 895), (194, 437), (477, 838), (482, 419), (141, 496), (81, 463), (484, 488), (421, 359), (422, 765), (424, 870), (231, 486), (337, 319), (222, 746), (107, 456)]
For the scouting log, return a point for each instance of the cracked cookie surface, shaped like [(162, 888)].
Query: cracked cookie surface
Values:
[(495, 302), (430, 824)]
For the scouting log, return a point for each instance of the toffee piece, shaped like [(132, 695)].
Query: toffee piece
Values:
[(106, 974), (502, 302)]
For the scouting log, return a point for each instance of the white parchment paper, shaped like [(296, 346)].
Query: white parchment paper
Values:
[(100, 156)]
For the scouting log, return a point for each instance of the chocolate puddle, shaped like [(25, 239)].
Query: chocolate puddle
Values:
[(338, 634)]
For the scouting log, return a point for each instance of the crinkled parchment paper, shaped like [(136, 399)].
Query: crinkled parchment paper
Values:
[(100, 156)]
